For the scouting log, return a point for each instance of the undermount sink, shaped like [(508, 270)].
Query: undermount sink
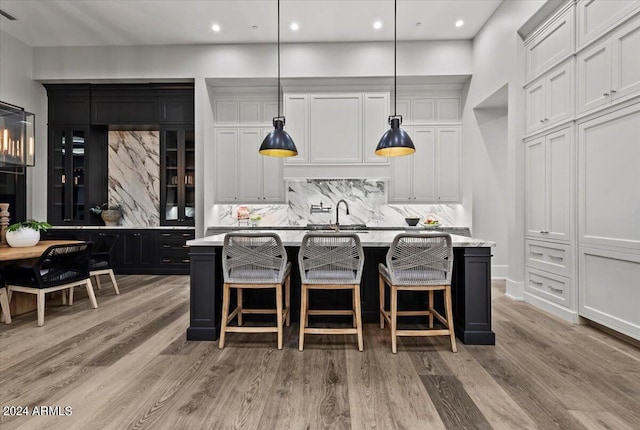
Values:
[(343, 227)]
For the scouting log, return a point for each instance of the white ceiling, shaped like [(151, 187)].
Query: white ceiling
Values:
[(48, 23)]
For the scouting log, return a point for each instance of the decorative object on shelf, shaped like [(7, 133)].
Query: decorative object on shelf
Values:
[(242, 215), (4, 223), (26, 233), (412, 221), (278, 143), (109, 214), (395, 141), (17, 136)]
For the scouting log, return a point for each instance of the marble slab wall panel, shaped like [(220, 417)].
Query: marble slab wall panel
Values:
[(134, 176), (366, 199)]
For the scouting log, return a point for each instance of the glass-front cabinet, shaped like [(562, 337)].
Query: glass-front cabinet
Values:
[(68, 203), (177, 199)]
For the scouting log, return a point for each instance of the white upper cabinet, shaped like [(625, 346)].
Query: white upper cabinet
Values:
[(376, 115), (551, 44), (226, 112), (272, 178), (432, 173), (250, 165), (609, 179), (296, 109), (548, 186), (595, 17), (244, 111), (549, 99), (447, 110), (423, 110), (226, 144), (609, 70)]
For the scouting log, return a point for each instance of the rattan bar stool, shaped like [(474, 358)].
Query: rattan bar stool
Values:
[(254, 261), (330, 261), (418, 262)]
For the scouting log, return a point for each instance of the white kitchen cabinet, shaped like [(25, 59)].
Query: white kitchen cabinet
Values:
[(242, 174), (448, 110), (596, 17), (549, 256), (548, 185), (226, 112), (423, 110), (609, 70), (226, 150), (296, 110), (376, 115), (335, 128), (609, 179), (554, 41), (550, 287), (549, 99), (609, 289), (432, 174)]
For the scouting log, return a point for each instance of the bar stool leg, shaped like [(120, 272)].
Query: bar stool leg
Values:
[(239, 290), (449, 311), (225, 314), (381, 291), (358, 316), (279, 313), (430, 308), (353, 309), (394, 317), (303, 315), (287, 299), (40, 303)]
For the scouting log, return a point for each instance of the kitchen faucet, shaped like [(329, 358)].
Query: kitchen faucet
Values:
[(338, 212)]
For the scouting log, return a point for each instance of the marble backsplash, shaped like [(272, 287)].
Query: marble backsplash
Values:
[(366, 199), (134, 176)]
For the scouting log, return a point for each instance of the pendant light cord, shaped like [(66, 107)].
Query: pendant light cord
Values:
[(395, 57), (279, 98)]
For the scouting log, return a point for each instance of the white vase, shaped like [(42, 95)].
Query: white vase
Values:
[(24, 236)]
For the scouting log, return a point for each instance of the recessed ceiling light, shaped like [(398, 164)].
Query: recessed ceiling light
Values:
[(294, 26), (215, 27), (377, 25), (459, 23)]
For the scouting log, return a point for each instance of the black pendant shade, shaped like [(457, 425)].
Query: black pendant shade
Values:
[(278, 143), (395, 142)]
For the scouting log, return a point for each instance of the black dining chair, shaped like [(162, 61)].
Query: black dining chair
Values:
[(59, 268), (100, 262)]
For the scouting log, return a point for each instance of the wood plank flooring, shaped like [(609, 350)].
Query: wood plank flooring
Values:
[(127, 365)]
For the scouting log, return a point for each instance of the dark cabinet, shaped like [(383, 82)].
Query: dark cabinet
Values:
[(175, 106), (177, 180), (138, 250), (123, 105), (173, 252), (68, 104)]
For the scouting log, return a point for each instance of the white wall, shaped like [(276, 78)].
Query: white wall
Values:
[(18, 88), (497, 61)]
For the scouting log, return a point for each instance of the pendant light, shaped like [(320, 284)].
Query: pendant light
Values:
[(395, 141), (278, 143)]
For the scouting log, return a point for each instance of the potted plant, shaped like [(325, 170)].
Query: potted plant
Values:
[(110, 214), (26, 233)]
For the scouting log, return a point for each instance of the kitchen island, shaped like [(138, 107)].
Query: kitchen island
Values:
[(471, 284)]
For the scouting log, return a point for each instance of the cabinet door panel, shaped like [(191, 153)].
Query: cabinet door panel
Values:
[(424, 164), (448, 110), (559, 94), (226, 112), (376, 113), (226, 166), (250, 111), (609, 179), (335, 128), (249, 166), (401, 177), (594, 76), (555, 42), (448, 164), (535, 187), (558, 153), (296, 107), (273, 180), (596, 16), (626, 60), (423, 110), (535, 106)]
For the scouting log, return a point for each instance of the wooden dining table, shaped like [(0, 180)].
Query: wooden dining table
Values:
[(21, 302)]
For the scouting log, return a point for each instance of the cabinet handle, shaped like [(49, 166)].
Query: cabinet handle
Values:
[(185, 246), (186, 260), (185, 179), (555, 257), (613, 91), (542, 120), (556, 290), (166, 260), (535, 253), (67, 220), (544, 232), (535, 282), (166, 234), (166, 246), (63, 179), (605, 94), (186, 234)]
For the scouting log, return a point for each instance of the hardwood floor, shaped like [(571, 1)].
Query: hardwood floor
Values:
[(127, 365)]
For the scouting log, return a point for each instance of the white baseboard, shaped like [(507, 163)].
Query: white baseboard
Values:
[(554, 309), (499, 271), (515, 290)]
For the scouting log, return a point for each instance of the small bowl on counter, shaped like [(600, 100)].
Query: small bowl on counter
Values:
[(412, 221)]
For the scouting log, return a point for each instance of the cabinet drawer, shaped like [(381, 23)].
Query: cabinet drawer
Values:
[(184, 235), (178, 245), (552, 257), (174, 259), (554, 288)]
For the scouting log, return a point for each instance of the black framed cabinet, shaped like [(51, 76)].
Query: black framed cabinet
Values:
[(177, 179)]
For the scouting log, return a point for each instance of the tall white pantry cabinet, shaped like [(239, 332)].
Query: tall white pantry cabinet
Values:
[(582, 163)]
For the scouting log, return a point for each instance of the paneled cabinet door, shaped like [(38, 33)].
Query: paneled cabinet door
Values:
[(249, 166), (226, 142), (448, 164), (548, 186), (595, 17), (554, 42), (549, 99), (401, 176), (424, 164), (594, 76), (535, 106), (626, 60), (177, 198), (272, 176), (296, 108), (376, 114)]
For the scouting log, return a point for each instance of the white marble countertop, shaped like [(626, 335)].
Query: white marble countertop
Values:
[(370, 238)]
